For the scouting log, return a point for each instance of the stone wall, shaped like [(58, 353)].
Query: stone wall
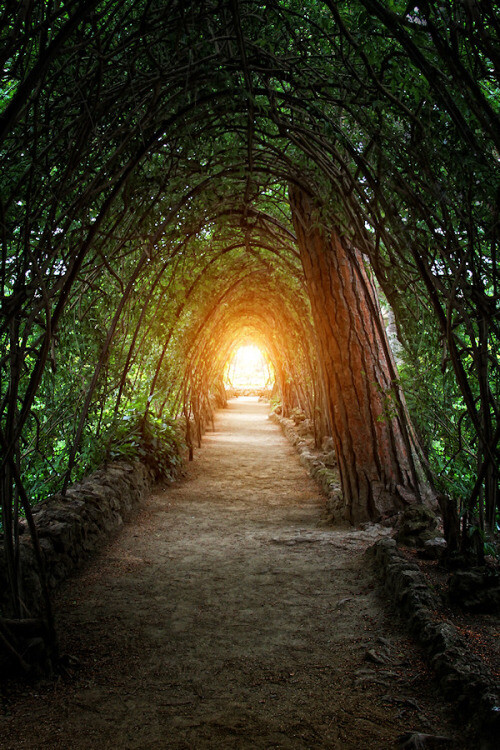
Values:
[(464, 679), (326, 476), (70, 528)]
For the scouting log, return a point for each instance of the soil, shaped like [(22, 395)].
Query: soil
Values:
[(479, 630), (227, 614)]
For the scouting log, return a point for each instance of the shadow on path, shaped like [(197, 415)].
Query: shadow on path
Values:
[(226, 615)]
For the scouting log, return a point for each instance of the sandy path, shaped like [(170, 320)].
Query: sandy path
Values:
[(226, 615)]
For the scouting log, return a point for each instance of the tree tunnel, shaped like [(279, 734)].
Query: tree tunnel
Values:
[(179, 177)]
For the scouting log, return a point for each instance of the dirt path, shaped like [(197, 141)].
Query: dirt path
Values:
[(226, 615)]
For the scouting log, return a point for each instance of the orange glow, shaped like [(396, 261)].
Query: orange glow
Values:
[(248, 368)]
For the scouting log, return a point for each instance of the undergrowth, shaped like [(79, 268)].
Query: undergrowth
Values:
[(157, 442)]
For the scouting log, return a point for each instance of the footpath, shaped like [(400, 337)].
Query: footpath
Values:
[(228, 614)]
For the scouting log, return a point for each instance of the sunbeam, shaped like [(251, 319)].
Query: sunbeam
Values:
[(248, 368)]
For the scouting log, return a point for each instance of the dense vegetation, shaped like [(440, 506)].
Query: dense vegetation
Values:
[(147, 148)]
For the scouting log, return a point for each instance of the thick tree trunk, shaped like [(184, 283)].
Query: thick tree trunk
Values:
[(370, 425)]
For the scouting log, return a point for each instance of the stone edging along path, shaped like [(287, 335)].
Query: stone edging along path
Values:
[(71, 527), (327, 479), (463, 678)]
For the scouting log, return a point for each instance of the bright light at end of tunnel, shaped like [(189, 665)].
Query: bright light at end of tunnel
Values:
[(248, 368)]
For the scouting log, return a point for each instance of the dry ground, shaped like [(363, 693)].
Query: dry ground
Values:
[(226, 614)]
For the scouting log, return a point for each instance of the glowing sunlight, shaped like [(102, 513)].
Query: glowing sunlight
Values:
[(248, 368)]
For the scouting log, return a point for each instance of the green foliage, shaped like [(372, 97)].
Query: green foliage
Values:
[(439, 415), (489, 546), (158, 443)]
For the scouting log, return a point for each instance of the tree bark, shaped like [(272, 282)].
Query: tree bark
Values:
[(370, 424)]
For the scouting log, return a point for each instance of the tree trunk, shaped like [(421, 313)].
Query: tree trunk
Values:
[(370, 424)]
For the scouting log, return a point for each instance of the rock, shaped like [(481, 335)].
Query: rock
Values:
[(477, 590), (327, 444), (443, 637), (70, 528), (304, 427), (330, 459), (389, 522), (463, 677), (418, 525), (432, 549)]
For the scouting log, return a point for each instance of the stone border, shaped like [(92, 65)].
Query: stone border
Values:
[(70, 528), (327, 479), (464, 678)]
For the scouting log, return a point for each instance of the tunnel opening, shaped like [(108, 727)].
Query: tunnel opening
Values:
[(248, 372)]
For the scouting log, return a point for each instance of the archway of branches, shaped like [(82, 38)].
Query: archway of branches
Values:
[(247, 288), (177, 175)]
